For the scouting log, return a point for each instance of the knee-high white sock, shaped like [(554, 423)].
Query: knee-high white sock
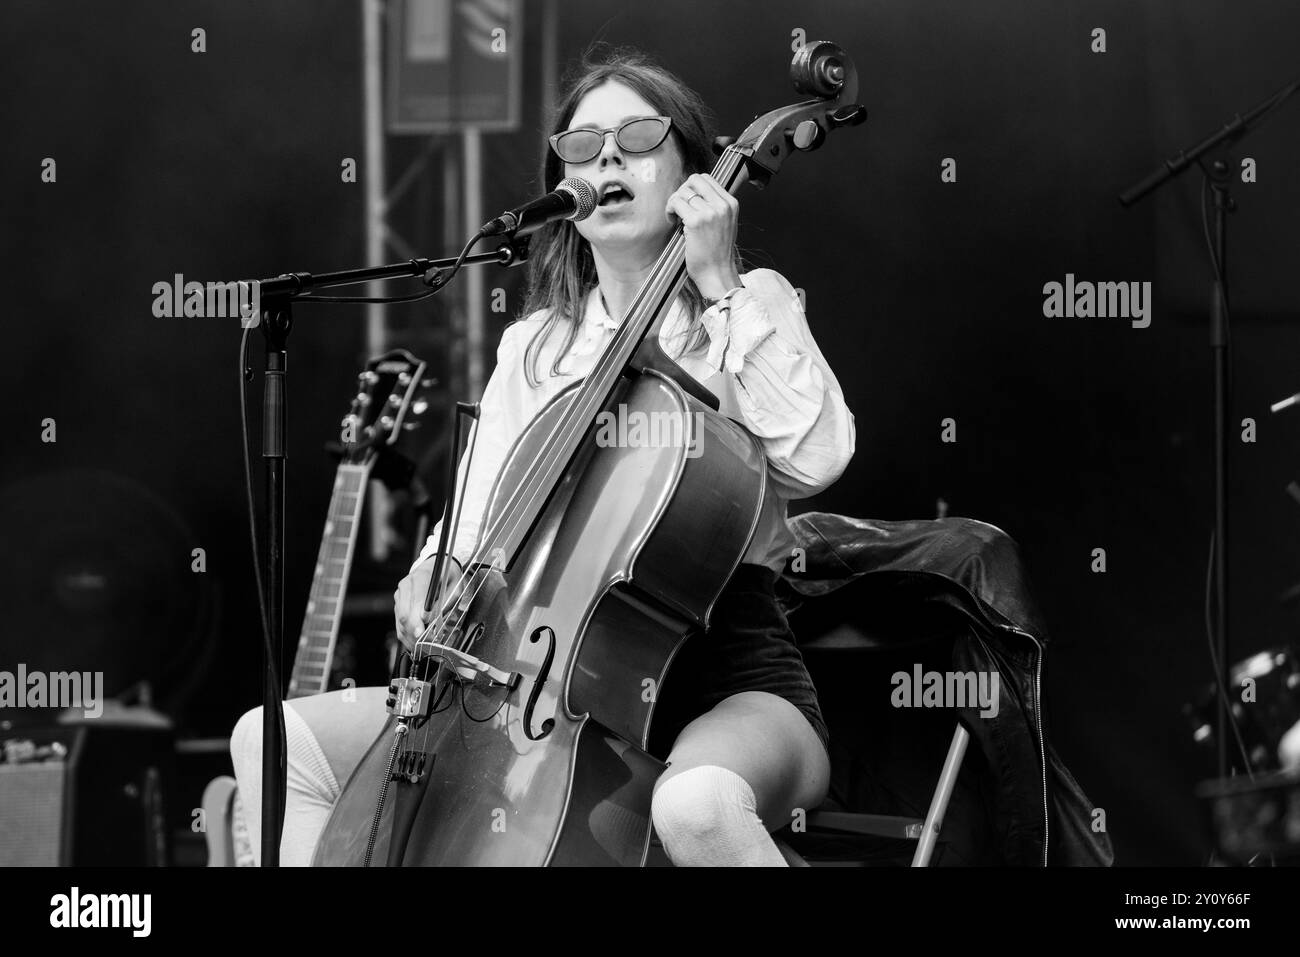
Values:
[(708, 817), (311, 788)]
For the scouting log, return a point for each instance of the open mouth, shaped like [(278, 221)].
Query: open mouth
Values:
[(614, 195)]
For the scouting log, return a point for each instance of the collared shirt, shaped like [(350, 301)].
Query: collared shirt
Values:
[(761, 362)]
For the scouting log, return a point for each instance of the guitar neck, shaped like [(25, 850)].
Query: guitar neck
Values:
[(320, 625)]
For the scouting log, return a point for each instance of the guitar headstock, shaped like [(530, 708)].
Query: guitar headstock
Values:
[(388, 402)]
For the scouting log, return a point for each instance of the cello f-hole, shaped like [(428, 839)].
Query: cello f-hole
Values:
[(542, 674)]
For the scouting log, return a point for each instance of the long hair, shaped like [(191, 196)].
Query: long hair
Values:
[(561, 270)]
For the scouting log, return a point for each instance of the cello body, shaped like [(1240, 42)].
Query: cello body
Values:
[(625, 561)]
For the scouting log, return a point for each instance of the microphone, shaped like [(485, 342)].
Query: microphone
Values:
[(574, 199)]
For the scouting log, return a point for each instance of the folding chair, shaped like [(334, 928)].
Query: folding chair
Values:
[(831, 820)]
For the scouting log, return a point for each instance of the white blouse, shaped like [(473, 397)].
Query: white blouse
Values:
[(760, 361)]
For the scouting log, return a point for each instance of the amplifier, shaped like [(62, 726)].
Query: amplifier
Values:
[(88, 793), (1254, 821)]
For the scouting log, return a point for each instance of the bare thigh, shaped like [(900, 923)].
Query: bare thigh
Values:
[(345, 723), (768, 742)]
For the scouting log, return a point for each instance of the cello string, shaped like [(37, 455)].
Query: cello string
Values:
[(577, 417), (525, 490), (562, 434), (565, 428), (559, 446)]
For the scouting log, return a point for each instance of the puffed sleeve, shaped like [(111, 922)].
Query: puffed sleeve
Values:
[(788, 396), (502, 417)]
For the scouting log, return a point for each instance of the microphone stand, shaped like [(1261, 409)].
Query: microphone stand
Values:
[(1219, 175), (276, 317)]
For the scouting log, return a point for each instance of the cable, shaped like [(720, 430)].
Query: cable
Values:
[(1205, 229), (246, 376), (1214, 659), (436, 283), (381, 299), (1222, 691)]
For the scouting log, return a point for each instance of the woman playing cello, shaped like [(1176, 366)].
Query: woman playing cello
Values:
[(737, 718)]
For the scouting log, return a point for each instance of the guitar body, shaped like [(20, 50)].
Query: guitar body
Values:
[(554, 771), (224, 830)]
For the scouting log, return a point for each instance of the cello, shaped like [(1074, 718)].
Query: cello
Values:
[(520, 719)]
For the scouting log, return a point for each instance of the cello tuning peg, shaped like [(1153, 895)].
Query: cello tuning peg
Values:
[(807, 136), (428, 383)]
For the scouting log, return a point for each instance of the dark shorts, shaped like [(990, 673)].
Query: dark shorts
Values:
[(748, 647)]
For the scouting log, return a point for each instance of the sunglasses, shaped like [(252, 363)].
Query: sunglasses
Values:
[(640, 135)]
